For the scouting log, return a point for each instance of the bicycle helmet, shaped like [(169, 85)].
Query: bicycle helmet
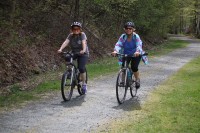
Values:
[(76, 24), (129, 24)]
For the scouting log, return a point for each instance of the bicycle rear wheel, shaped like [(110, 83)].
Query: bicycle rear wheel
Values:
[(121, 86), (133, 89), (79, 87), (67, 85)]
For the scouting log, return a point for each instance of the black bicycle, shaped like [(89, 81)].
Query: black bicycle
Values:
[(125, 80), (70, 78)]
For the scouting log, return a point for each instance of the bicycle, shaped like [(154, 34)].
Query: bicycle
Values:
[(125, 80), (70, 78)]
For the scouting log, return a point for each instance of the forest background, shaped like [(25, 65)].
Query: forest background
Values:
[(31, 31)]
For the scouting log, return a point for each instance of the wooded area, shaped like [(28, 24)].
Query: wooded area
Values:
[(31, 31)]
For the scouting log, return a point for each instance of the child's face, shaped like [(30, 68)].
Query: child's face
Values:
[(76, 30)]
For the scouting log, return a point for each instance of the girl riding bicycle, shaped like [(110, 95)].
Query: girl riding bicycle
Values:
[(78, 43), (131, 44)]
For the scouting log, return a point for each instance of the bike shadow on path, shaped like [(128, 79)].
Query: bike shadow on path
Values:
[(129, 105), (75, 101)]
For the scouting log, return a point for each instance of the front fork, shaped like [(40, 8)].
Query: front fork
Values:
[(127, 81)]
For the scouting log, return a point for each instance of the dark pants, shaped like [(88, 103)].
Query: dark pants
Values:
[(135, 61), (81, 62)]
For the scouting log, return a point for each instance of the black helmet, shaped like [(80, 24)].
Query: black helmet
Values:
[(129, 24), (76, 24)]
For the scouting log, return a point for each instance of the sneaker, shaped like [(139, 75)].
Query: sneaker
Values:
[(84, 88), (137, 84)]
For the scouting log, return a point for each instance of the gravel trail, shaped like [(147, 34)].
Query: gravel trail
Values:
[(99, 106)]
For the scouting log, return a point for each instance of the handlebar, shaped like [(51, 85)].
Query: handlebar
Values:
[(70, 53), (126, 55)]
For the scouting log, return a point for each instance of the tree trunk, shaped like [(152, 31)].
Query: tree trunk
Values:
[(197, 18), (84, 12), (76, 11), (12, 14), (198, 26)]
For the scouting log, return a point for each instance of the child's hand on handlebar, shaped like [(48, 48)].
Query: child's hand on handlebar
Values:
[(82, 52), (114, 53), (59, 51)]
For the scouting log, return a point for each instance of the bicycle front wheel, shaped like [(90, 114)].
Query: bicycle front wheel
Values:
[(67, 85), (121, 86)]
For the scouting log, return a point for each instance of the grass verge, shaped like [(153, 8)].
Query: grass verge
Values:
[(172, 108), (167, 47), (51, 82)]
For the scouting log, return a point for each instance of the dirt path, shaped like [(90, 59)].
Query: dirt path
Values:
[(99, 106)]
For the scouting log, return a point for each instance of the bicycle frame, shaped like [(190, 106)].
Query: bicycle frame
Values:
[(72, 76), (71, 65), (124, 81), (125, 68)]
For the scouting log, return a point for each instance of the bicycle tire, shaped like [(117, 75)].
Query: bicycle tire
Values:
[(121, 88), (133, 89), (79, 87), (67, 86)]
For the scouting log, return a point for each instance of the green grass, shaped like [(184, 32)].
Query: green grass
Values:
[(172, 108), (167, 47), (18, 96), (52, 83), (102, 67), (48, 86)]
